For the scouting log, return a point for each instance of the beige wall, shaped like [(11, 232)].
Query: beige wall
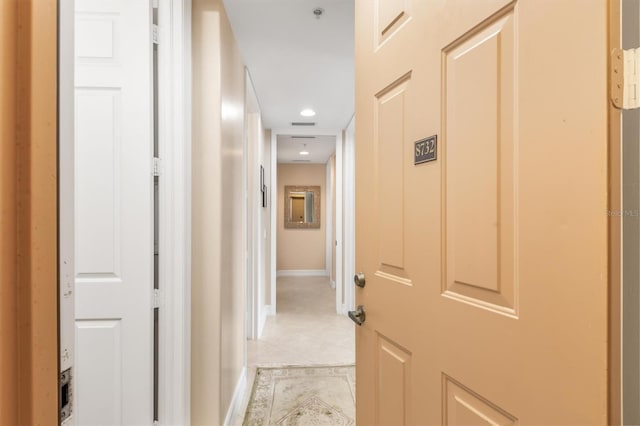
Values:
[(301, 248), (218, 215)]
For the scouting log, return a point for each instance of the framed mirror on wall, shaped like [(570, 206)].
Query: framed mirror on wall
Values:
[(302, 207)]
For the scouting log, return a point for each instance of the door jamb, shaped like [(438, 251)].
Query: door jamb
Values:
[(614, 369), (66, 193), (175, 202), (340, 299), (271, 308), (348, 216), (174, 103)]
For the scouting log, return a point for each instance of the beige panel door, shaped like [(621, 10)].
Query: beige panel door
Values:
[(486, 269)]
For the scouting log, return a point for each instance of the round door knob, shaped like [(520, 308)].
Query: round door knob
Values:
[(359, 279)]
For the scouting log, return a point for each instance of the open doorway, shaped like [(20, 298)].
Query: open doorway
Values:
[(308, 256), (298, 291), (306, 209)]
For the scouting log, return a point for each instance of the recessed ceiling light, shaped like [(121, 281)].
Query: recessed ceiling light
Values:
[(304, 152), (307, 112)]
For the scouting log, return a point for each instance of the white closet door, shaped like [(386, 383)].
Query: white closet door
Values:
[(114, 213)]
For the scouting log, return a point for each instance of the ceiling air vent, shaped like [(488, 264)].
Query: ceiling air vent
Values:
[(301, 161), (303, 137), (303, 123)]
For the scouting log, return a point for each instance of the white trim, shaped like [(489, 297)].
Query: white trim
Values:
[(303, 273), (237, 400), (66, 191), (339, 223), (266, 310), (344, 310), (274, 218), (349, 218), (255, 256), (174, 82), (269, 310), (328, 214), (274, 202), (252, 164)]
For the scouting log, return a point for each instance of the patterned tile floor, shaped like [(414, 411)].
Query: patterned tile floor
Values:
[(303, 396)]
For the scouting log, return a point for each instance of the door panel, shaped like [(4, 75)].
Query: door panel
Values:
[(99, 366), (479, 179), (486, 270), (391, 14), (464, 407), (393, 383), (390, 133), (114, 221)]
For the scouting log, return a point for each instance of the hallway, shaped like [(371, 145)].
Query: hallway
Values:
[(477, 211), (305, 331)]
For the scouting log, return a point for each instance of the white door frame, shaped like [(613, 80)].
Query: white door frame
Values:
[(174, 103), (175, 202), (253, 146), (341, 303), (66, 179), (329, 240), (349, 216)]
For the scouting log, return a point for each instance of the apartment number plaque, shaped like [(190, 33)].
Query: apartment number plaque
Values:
[(426, 150)]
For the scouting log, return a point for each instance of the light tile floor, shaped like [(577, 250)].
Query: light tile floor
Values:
[(305, 331)]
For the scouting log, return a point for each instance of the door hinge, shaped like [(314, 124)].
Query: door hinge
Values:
[(156, 35), (625, 78), (157, 166), (157, 298)]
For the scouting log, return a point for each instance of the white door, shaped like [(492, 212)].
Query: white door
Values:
[(114, 215)]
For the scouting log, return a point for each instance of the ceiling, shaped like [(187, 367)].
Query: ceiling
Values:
[(320, 149), (297, 61)]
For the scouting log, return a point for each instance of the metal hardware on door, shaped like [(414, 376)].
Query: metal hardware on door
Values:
[(358, 316), (359, 279), (65, 395)]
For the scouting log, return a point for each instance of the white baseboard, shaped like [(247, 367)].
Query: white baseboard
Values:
[(268, 309), (237, 400), (333, 284), (345, 310), (303, 273)]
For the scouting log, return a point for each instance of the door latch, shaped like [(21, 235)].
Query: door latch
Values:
[(66, 395), (358, 316), (359, 279)]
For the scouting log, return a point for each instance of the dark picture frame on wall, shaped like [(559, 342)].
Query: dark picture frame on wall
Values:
[(263, 187)]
